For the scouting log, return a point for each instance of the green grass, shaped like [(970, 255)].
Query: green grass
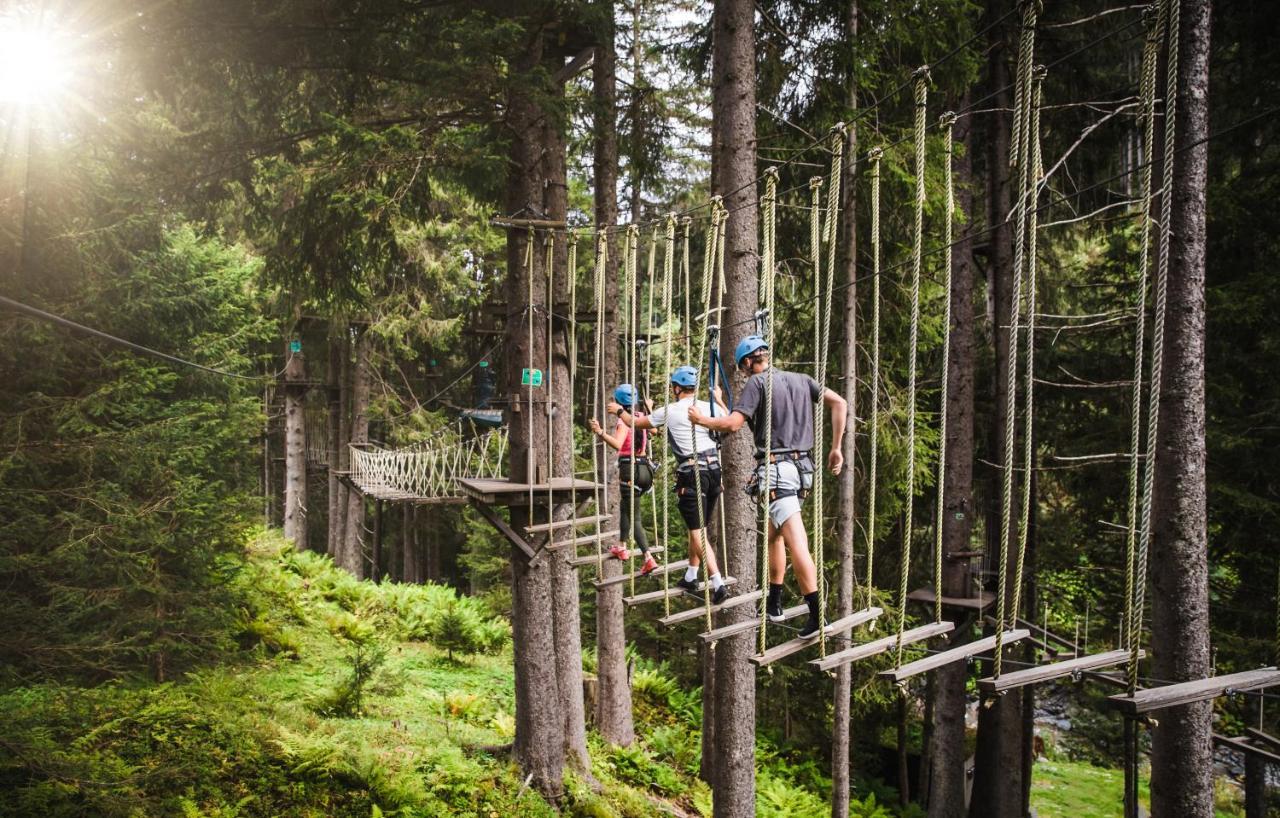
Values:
[(1070, 789)]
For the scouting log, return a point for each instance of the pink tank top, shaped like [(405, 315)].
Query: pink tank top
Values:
[(625, 449)]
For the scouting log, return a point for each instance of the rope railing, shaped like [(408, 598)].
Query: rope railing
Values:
[(428, 471)]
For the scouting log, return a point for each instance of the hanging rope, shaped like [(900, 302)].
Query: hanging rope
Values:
[(917, 253), (530, 470), (769, 207), (571, 348), (548, 247), (632, 262), (651, 440), (1020, 150), (1172, 21), (874, 157), (668, 263), (948, 121), (599, 464), (709, 257), (687, 327)]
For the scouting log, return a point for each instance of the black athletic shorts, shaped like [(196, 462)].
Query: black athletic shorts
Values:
[(687, 494)]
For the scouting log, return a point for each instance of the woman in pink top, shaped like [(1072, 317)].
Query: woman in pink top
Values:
[(635, 478)]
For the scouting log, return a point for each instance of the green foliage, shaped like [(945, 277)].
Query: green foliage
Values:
[(459, 628)]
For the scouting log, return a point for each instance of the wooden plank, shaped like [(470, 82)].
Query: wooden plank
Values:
[(1265, 739), (957, 654), (1242, 746), (500, 491), (695, 613), (655, 596), (1197, 690), (568, 522), (678, 565), (749, 625), (590, 559), (798, 644), (505, 530), (868, 649), (1056, 670), (980, 602), (585, 539)]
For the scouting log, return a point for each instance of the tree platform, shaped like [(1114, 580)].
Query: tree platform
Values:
[(501, 491)]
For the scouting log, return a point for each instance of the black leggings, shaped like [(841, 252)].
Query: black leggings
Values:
[(635, 478)]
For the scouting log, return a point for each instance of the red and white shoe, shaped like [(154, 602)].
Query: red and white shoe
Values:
[(619, 552), (650, 565)]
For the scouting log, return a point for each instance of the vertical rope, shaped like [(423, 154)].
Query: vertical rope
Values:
[(668, 337), (768, 206), (548, 246), (819, 353), (709, 257), (874, 156), (601, 480), (917, 252), (948, 122), (685, 222), (720, 233), (1172, 21), (528, 457), (648, 360), (830, 229), (632, 262), (571, 348), (1150, 57)]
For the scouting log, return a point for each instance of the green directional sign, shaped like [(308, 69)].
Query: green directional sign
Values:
[(295, 346), (531, 377)]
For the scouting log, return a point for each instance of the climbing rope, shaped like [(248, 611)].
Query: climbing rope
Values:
[(917, 253), (668, 263), (819, 359), (601, 482), (548, 247), (710, 254), (571, 348), (948, 121), (645, 344), (632, 262), (874, 157), (529, 465), (769, 208), (1172, 21)]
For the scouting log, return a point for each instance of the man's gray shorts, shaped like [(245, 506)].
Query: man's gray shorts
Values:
[(784, 476)]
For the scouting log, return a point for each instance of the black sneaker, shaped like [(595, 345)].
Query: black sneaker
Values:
[(691, 587), (720, 595), (774, 609), (810, 628)]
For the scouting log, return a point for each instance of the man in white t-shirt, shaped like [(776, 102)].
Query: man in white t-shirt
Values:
[(697, 472)]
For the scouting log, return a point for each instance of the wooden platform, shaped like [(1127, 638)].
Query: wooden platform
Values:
[(678, 565), (568, 522), (701, 610), (500, 491), (749, 625), (656, 596), (980, 602), (1054, 670), (959, 653), (798, 644), (1197, 690), (590, 559), (868, 649)]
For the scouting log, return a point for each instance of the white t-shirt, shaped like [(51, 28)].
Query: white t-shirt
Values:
[(675, 417)]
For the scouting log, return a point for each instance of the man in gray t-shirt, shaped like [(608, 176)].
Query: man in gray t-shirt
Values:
[(788, 463)]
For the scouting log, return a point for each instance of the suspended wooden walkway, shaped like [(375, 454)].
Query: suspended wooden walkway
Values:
[(430, 472)]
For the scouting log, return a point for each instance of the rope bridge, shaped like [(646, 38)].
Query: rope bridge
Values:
[(429, 471)]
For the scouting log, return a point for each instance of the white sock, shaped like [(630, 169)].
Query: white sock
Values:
[(716, 582), (691, 573)]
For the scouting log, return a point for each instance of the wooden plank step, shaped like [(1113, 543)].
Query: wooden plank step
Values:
[(678, 565), (590, 559), (655, 596), (956, 654), (1055, 670), (981, 601), (750, 625), (1197, 690), (868, 649), (701, 610), (568, 522), (1242, 746), (798, 644), (1265, 739), (585, 539)]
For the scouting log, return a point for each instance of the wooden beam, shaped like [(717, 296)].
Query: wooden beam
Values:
[(654, 596), (568, 522), (581, 62), (717, 634), (504, 529), (868, 649), (981, 601), (1057, 670), (695, 613), (525, 224), (590, 559), (1242, 746), (798, 644), (1197, 690), (586, 539), (959, 653), (678, 565), (1263, 738)]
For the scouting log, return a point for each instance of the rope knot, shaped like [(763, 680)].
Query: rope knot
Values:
[(875, 154), (948, 119), (921, 74), (1039, 73), (815, 182), (839, 129), (772, 172)]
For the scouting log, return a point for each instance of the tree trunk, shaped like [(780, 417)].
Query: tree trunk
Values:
[(352, 557), (1181, 752), (1255, 786), (337, 444), (947, 756), (997, 785), (540, 735), (408, 547), (613, 702), (733, 150), (846, 484), (295, 448)]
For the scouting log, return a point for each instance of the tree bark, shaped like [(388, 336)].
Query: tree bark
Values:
[(1181, 749), (352, 557), (295, 448), (408, 547), (540, 735), (337, 523), (998, 784), (733, 151), (846, 484), (613, 702), (947, 755)]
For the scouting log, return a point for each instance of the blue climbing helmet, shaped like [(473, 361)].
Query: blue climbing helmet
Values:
[(685, 376), (748, 345), (625, 394)]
